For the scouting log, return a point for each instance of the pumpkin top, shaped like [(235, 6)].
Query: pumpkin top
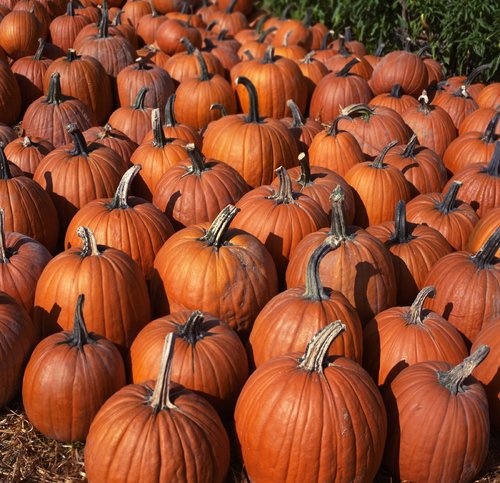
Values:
[(346, 70), (314, 289), (141, 63), (192, 331), (160, 398), (39, 50), (216, 234), (119, 200), (169, 112), (80, 147), (338, 230), (79, 336), (334, 129), (89, 244), (425, 106), (190, 50), (378, 162), (305, 178), (197, 160), (362, 110), (401, 234), (284, 194), (204, 74), (297, 118), (324, 40), (493, 167), (314, 356), (414, 314), (484, 257), (140, 98), (448, 203), (253, 113), (454, 379), (409, 151), (54, 94), (490, 135)]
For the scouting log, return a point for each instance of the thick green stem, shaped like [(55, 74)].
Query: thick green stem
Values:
[(79, 144), (378, 163), (337, 226), (454, 379), (197, 160), (265, 33), (314, 356), (490, 135), (305, 178), (192, 331), (409, 151), (140, 98), (103, 27), (483, 258), (39, 50), (401, 233), (414, 314), (160, 399), (89, 244), (4, 164), (314, 288), (187, 45), (345, 71), (253, 113), (204, 75), (216, 234), (54, 95), (334, 126), (119, 200), (284, 194), (493, 166), (475, 73), (72, 55), (231, 6), (3, 248), (261, 22), (169, 112), (448, 203), (219, 107), (80, 335), (324, 39), (70, 10), (269, 55), (363, 110), (297, 118)]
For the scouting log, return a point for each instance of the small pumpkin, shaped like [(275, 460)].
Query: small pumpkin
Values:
[(483, 230), (27, 153)]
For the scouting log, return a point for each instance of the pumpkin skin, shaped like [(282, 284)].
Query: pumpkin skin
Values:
[(458, 104), (414, 250), (487, 372), (478, 121), (377, 188), (178, 427), (290, 319), (129, 224), (483, 230), (118, 310), (279, 218), (467, 287), (235, 294), (401, 336), (418, 399), (303, 130), (112, 138), (209, 357), (170, 33), (7, 134), (65, 28), (454, 219), (395, 100), (73, 373), (313, 71), (489, 97), (19, 34), (27, 153), (18, 337), (294, 385), (360, 268), (196, 191)]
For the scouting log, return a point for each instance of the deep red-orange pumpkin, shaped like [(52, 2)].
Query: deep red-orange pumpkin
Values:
[(26, 153), (170, 33), (489, 96), (110, 137), (20, 33), (456, 103), (483, 230), (396, 100), (303, 130), (65, 28), (478, 120)]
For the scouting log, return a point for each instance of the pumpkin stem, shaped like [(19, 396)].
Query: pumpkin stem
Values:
[(448, 203), (219, 107), (4, 258), (314, 289), (106, 131), (307, 20), (119, 200), (454, 379), (378, 163), (409, 151), (142, 64), (118, 18), (396, 91), (79, 144), (192, 331), (348, 35), (27, 142), (298, 119), (284, 194), (70, 10), (249, 55), (103, 27), (269, 55), (216, 234), (317, 348), (324, 39), (337, 225), (264, 34), (475, 73), (197, 160), (489, 135), (380, 50), (231, 6), (80, 335), (210, 27), (54, 95), (363, 110), (493, 166), (286, 11), (342, 48), (140, 98), (333, 129), (72, 55), (169, 112), (285, 39), (4, 164), (414, 314), (253, 113), (425, 106), (187, 45), (39, 50), (159, 140), (160, 399), (344, 72), (305, 178), (204, 75), (222, 34), (260, 24), (308, 59), (485, 255), (89, 244), (400, 233)]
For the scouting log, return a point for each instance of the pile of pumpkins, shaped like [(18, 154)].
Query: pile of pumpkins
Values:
[(216, 220)]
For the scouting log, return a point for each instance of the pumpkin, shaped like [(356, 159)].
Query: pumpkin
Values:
[(377, 188), (300, 33), (133, 10), (224, 54), (347, 39), (148, 25), (22, 260), (126, 29), (110, 137), (188, 275), (10, 95), (170, 34), (228, 19), (117, 307), (178, 428), (376, 57), (293, 52), (18, 337), (65, 28), (253, 146), (303, 130), (360, 268), (279, 218), (325, 50), (20, 33), (454, 83), (479, 120), (489, 96), (290, 319), (257, 47), (414, 250), (468, 287), (73, 373), (444, 400), (395, 100), (313, 71), (457, 104), (39, 11), (402, 336), (335, 149), (209, 358), (126, 223), (26, 153), (196, 191), (339, 60), (484, 229), (244, 6), (293, 386)]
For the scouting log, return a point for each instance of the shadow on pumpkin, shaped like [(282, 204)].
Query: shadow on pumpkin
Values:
[(364, 272)]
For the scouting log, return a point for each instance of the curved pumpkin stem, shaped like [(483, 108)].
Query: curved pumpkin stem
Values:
[(141, 63), (314, 356), (324, 40), (448, 203), (39, 50), (140, 98), (80, 335), (307, 20), (160, 399), (425, 105), (80, 147), (4, 258), (409, 151), (219, 107), (249, 55), (119, 200), (89, 244), (345, 71), (338, 229), (231, 6), (103, 27), (70, 10), (54, 95), (485, 255), (490, 135), (192, 330), (475, 74), (308, 59), (286, 11), (253, 113), (400, 233), (378, 163), (204, 75), (363, 110), (396, 91), (265, 33), (4, 164), (454, 379), (169, 112), (414, 315), (216, 234), (284, 194), (106, 132), (493, 166), (269, 55), (187, 45), (260, 24), (305, 178), (72, 55), (380, 50), (334, 130), (297, 118), (197, 160), (314, 289), (159, 139)]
